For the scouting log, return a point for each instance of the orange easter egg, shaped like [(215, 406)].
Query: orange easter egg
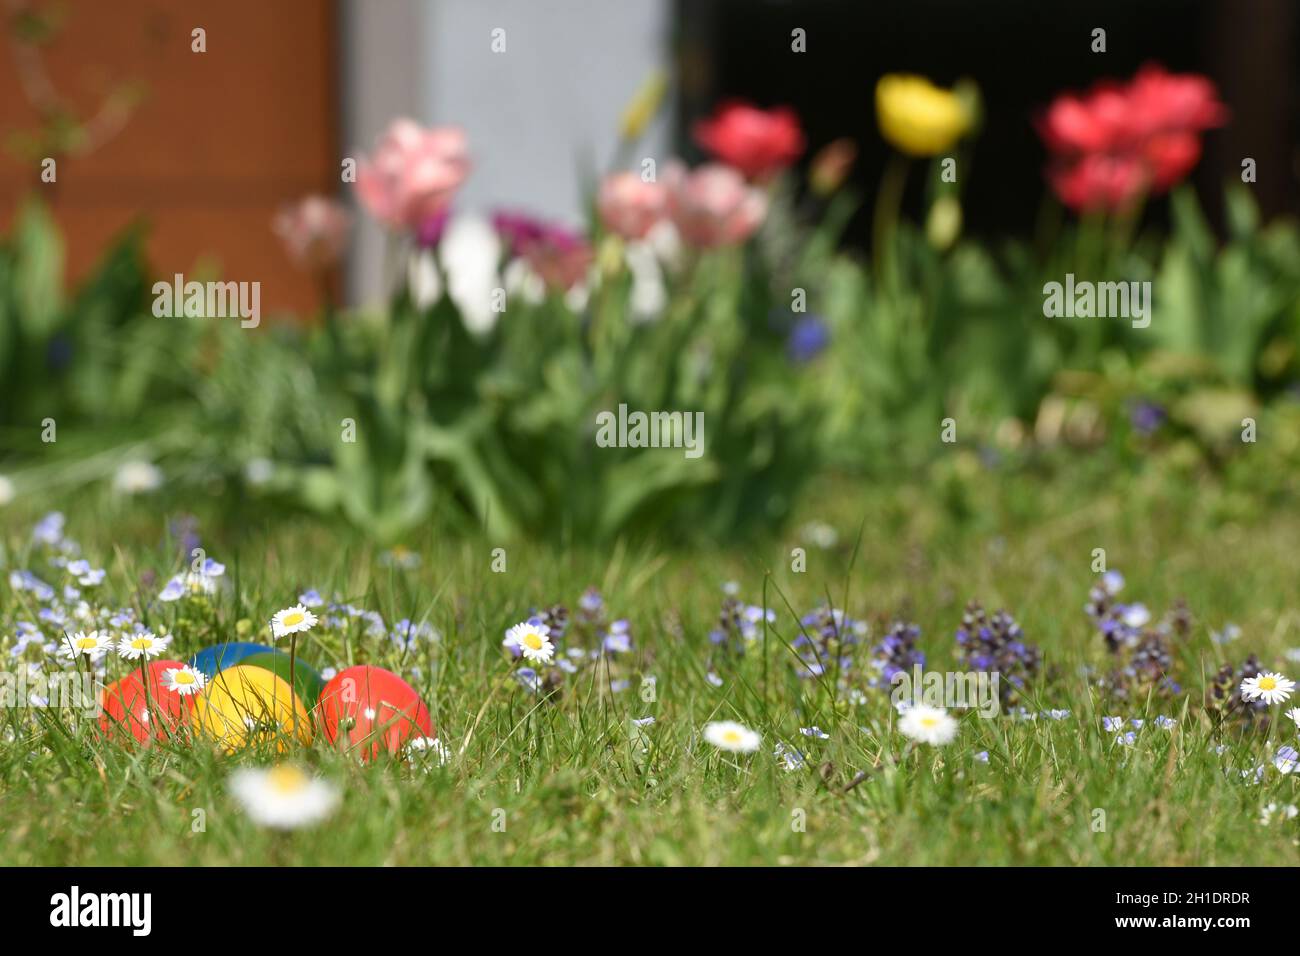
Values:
[(371, 709)]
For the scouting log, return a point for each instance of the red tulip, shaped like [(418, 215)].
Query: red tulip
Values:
[(1117, 142), (1164, 102), (758, 142), (1099, 180)]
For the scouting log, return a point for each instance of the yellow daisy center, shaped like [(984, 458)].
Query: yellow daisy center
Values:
[(928, 721), (142, 643), (286, 779), (1267, 683), (183, 677), (86, 643), (293, 620), (533, 642), (732, 736)]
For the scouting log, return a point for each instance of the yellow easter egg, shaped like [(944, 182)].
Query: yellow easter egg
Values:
[(244, 705)]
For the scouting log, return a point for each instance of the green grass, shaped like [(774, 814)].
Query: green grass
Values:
[(577, 788)]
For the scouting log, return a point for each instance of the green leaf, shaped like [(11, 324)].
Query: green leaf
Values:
[(39, 278)]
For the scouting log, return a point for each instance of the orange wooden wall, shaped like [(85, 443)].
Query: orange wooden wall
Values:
[(218, 141)]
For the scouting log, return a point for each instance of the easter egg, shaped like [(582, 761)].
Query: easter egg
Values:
[(127, 710), (212, 659), (250, 705), (368, 708), (306, 679)]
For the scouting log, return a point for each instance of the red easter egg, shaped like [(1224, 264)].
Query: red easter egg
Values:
[(374, 707), (124, 705)]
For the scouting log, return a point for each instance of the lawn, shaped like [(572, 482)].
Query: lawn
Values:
[(565, 777)]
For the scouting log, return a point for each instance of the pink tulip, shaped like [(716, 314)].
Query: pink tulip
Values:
[(713, 205), (559, 256), (413, 174), (629, 206), (314, 231)]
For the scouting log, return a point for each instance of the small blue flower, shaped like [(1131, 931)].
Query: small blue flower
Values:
[(49, 530), (809, 337), (174, 590), (1229, 634), (22, 580), (789, 758), (1146, 417), (1286, 759), (618, 643)]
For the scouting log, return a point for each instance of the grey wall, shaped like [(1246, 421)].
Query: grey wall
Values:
[(539, 116)]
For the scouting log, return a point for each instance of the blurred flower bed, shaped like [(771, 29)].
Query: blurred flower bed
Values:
[(719, 289)]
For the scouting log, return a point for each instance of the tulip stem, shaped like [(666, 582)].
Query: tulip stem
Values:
[(889, 204)]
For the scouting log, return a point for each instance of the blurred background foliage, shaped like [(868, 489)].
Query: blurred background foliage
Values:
[(498, 428), (809, 352)]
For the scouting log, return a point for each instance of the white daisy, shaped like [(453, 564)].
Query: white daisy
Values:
[(93, 644), (1270, 688), (1294, 714), (284, 797), (729, 735), (532, 641), (427, 752), (928, 725), (292, 620), (1287, 812), (137, 477), (144, 644), (259, 471), (184, 680)]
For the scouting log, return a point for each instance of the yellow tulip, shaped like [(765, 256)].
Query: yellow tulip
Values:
[(917, 117)]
